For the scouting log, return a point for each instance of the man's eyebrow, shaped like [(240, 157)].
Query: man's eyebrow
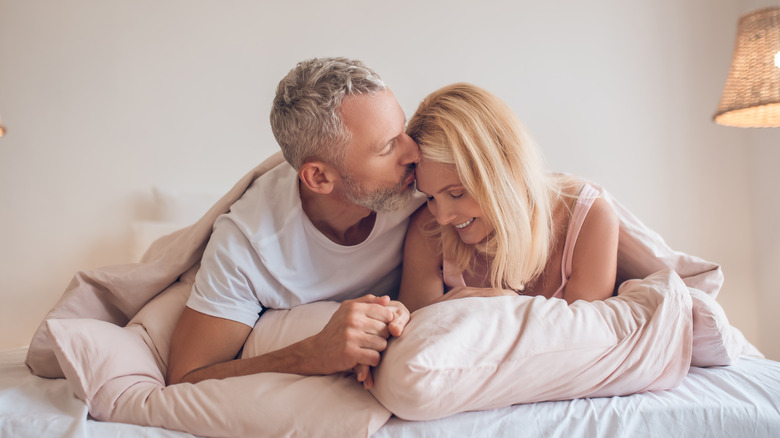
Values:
[(381, 144), (384, 143)]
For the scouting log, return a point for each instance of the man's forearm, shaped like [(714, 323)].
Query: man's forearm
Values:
[(355, 335), (293, 359)]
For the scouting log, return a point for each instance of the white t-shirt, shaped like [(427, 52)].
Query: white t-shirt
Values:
[(266, 253)]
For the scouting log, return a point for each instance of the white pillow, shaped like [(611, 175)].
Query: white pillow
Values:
[(118, 372), (715, 341), (484, 353)]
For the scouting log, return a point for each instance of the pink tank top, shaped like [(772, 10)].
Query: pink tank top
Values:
[(585, 199)]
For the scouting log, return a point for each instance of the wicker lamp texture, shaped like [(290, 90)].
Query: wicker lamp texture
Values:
[(751, 97)]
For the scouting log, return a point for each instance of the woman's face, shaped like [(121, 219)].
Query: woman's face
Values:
[(449, 202)]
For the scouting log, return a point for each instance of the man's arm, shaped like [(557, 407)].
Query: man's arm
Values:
[(204, 347)]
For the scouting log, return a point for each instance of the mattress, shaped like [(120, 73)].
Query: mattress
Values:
[(742, 400)]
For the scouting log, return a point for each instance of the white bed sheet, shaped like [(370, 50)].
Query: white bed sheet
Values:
[(742, 400), (34, 407)]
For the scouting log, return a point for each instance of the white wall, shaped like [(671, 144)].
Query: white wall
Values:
[(103, 100), (764, 151)]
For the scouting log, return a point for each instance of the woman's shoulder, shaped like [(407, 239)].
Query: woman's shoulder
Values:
[(566, 185), (568, 189), (594, 210), (423, 236), (421, 216), (422, 225), (573, 191)]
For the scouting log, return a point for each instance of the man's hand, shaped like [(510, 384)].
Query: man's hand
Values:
[(204, 347), (395, 328), (356, 334)]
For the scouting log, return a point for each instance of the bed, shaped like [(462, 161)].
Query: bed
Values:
[(741, 400), (621, 367)]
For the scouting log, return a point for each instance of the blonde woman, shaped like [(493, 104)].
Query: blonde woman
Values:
[(497, 222)]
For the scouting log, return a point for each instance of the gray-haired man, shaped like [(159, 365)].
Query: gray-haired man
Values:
[(327, 225)]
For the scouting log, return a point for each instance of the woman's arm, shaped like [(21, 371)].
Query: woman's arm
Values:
[(594, 265), (421, 282)]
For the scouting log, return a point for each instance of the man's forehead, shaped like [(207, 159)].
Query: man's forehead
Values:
[(374, 118), (374, 103)]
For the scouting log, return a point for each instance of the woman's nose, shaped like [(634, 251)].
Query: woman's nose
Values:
[(443, 214)]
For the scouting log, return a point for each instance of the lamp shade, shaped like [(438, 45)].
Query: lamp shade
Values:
[(751, 97)]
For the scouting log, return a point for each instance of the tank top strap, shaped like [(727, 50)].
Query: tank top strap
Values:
[(585, 199)]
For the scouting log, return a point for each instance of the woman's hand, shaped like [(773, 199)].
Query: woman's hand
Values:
[(394, 328)]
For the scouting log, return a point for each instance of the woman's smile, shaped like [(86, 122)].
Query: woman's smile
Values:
[(464, 224)]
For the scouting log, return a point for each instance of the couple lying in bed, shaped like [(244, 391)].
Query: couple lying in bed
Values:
[(332, 225), (323, 235)]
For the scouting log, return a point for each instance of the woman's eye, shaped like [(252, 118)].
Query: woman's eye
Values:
[(457, 195)]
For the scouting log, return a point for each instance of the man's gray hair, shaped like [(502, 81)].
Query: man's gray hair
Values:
[(305, 115)]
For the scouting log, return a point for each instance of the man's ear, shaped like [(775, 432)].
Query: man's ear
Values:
[(318, 176)]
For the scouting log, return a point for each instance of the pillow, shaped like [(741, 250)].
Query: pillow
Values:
[(280, 328), (118, 372), (485, 353), (715, 341)]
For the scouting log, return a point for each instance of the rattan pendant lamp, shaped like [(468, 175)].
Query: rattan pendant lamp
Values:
[(751, 97)]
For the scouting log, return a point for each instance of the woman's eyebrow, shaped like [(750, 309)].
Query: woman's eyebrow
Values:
[(451, 186), (444, 189)]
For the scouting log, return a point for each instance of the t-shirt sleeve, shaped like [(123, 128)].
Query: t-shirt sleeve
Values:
[(224, 285)]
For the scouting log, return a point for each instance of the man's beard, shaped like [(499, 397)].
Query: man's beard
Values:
[(381, 199)]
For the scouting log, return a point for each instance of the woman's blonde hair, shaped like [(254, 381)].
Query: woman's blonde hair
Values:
[(501, 168)]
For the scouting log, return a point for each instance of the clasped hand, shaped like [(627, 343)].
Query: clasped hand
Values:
[(357, 334)]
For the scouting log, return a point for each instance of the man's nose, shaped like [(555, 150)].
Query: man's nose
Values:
[(412, 152)]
